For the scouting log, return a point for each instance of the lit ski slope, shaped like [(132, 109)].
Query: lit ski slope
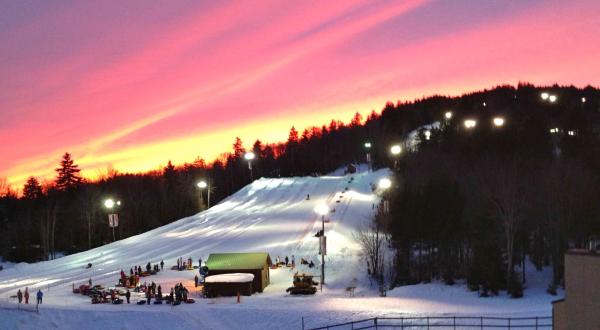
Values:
[(271, 215)]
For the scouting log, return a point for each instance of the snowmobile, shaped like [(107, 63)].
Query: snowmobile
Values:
[(303, 284)]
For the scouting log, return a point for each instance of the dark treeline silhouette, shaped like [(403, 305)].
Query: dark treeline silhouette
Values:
[(473, 203), (469, 204)]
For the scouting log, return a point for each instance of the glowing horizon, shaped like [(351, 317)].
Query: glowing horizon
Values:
[(132, 85)]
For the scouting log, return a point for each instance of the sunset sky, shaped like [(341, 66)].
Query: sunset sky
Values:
[(135, 83)]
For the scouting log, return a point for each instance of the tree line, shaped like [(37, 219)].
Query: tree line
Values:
[(468, 203)]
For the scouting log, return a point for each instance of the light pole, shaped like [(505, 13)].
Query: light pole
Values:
[(498, 121), (384, 185), (249, 156), (204, 185), (395, 150), (470, 123), (113, 218), (322, 209), (448, 115), (368, 148)]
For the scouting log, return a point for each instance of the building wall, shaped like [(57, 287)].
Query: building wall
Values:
[(559, 316), (581, 307)]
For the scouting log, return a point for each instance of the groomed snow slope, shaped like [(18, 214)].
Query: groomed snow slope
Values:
[(270, 215)]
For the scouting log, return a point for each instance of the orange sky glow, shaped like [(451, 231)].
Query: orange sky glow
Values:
[(134, 84)]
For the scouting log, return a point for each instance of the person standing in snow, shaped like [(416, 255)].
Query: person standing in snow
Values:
[(196, 281), (90, 282), (26, 295), (19, 296), (40, 295), (293, 261), (286, 260), (127, 295), (148, 297), (200, 263), (162, 264)]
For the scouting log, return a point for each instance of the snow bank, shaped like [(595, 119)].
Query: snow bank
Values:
[(230, 278)]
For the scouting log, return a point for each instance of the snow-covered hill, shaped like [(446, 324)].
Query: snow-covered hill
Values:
[(271, 215)]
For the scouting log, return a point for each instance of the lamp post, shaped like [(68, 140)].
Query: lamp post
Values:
[(470, 123), (395, 150), (448, 115), (368, 148), (113, 218), (204, 185), (498, 121), (249, 156), (384, 184), (322, 209)]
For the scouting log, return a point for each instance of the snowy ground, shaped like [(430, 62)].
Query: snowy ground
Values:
[(270, 215)]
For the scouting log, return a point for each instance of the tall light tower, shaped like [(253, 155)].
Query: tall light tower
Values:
[(249, 156), (384, 185), (322, 209), (113, 217), (369, 161), (395, 150), (204, 185)]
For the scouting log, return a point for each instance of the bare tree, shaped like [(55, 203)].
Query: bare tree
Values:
[(502, 184), (373, 242)]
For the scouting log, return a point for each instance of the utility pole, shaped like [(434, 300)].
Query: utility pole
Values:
[(322, 251)]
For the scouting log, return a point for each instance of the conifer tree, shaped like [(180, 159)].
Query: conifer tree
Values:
[(68, 173), (32, 188)]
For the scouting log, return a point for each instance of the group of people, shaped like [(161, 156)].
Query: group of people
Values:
[(187, 264), (21, 296), (285, 261), (310, 263), (179, 293)]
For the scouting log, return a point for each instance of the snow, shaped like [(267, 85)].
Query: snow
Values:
[(230, 278), (270, 215)]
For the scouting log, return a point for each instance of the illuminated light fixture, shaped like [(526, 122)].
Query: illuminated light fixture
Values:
[(555, 130), (109, 203), (249, 156), (572, 133), (470, 123), (202, 184), (427, 134), (322, 208), (583, 100), (544, 96), (396, 149), (385, 183), (368, 145), (552, 98), (484, 104), (498, 121), (448, 115)]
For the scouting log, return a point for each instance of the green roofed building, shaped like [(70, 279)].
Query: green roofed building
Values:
[(252, 263)]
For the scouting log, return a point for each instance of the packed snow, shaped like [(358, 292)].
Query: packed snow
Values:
[(274, 215)]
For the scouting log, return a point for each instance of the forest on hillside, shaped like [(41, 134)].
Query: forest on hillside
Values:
[(469, 202)]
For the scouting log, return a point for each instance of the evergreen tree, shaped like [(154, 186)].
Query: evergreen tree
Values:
[(68, 174), (32, 188)]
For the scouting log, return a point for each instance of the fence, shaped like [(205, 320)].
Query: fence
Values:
[(443, 322), (8, 305)]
